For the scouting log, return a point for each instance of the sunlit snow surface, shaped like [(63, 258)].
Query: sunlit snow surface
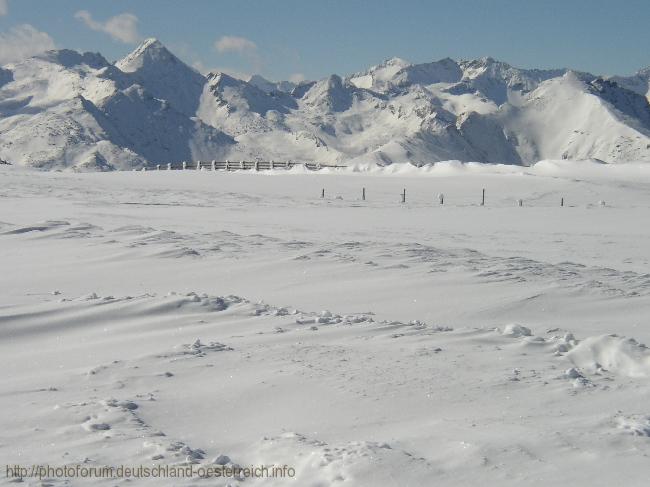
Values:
[(175, 317)]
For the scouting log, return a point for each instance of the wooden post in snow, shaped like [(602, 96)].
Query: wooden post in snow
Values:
[(404, 195), (483, 198), (520, 202), (322, 193), (363, 194), (214, 165), (227, 165), (441, 199), (562, 202), (198, 165), (169, 166)]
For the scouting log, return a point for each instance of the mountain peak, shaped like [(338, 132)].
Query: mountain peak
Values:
[(262, 83), (151, 51), (151, 43), (163, 75), (395, 61)]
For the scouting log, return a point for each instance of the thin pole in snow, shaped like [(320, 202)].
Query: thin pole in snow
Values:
[(441, 199), (363, 194), (562, 202), (483, 198), (322, 193), (404, 195)]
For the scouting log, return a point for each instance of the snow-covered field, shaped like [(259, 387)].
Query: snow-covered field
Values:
[(164, 318)]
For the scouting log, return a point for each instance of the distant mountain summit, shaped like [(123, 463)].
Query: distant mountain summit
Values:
[(64, 109)]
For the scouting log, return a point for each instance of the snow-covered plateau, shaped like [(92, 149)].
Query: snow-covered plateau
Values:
[(212, 318), (64, 109)]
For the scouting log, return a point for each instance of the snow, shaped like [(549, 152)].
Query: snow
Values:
[(68, 110), (211, 318)]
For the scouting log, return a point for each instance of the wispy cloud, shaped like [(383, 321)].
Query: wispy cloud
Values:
[(22, 42), (4, 8), (237, 44), (243, 47), (297, 77), (122, 27)]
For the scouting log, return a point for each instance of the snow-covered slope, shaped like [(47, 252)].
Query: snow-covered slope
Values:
[(66, 109), (164, 76), (639, 82), (572, 119)]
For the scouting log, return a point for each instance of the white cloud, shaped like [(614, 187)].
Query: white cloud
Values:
[(122, 27), (22, 42), (4, 8), (297, 77), (235, 44)]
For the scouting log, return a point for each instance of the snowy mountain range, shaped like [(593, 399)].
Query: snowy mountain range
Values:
[(63, 109)]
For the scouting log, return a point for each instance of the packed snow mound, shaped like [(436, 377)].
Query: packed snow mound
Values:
[(64, 109), (622, 356), (516, 331)]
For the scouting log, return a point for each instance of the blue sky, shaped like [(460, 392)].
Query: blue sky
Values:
[(311, 39)]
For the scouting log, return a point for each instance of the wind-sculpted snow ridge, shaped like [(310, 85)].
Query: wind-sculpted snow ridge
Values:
[(186, 369), (136, 240), (63, 109)]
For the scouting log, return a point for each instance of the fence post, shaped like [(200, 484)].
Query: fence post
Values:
[(184, 165), (441, 199), (322, 193), (214, 165), (271, 164), (363, 194), (483, 198), (257, 165), (520, 202), (157, 167), (562, 202), (198, 165), (241, 165), (227, 165), (169, 166), (404, 195)]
